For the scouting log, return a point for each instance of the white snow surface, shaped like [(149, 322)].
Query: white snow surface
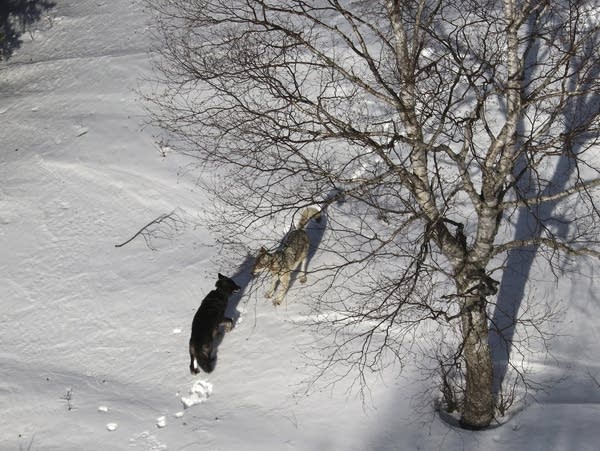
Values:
[(91, 354)]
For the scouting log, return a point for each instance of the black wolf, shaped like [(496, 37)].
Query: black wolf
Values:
[(205, 326)]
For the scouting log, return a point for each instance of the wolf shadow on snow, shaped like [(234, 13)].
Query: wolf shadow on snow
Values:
[(243, 275)]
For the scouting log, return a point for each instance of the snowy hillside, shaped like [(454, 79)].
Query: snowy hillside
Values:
[(93, 337)]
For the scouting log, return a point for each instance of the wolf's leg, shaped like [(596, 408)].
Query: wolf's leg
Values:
[(271, 290), (284, 284), (303, 265), (227, 324), (193, 369)]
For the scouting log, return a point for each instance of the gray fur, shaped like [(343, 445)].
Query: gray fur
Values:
[(282, 262)]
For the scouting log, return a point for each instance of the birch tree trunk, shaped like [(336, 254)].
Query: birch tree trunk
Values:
[(478, 406)]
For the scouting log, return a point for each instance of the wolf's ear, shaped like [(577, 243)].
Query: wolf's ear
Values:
[(262, 250), (221, 276)]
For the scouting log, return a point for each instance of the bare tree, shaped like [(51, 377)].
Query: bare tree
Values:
[(426, 118)]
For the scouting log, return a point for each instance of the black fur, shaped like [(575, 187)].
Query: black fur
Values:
[(205, 326)]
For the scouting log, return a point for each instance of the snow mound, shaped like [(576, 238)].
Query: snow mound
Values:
[(199, 393), (161, 422)]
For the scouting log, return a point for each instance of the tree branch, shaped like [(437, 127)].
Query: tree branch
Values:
[(546, 242), (577, 188), (147, 233)]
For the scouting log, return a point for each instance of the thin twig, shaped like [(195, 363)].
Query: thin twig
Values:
[(157, 220)]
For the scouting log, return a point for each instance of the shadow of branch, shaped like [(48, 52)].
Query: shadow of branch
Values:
[(16, 16)]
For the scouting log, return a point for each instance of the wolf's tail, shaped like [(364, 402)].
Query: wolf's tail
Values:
[(308, 214)]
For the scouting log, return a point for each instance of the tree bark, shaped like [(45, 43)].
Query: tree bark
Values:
[(478, 408)]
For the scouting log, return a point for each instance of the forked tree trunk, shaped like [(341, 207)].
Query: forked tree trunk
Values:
[(478, 406)]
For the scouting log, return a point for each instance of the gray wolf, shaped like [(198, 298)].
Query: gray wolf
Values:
[(207, 320), (293, 253)]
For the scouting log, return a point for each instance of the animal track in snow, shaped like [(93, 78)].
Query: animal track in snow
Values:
[(147, 442)]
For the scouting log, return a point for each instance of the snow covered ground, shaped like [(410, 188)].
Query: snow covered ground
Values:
[(93, 337)]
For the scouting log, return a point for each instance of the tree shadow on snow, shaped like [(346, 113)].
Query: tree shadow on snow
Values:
[(532, 222), (15, 17), (512, 291)]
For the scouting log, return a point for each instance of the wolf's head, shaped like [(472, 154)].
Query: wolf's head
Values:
[(227, 285), (262, 263)]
